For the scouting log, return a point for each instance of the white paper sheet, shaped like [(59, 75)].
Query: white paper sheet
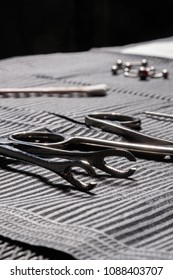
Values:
[(154, 48)]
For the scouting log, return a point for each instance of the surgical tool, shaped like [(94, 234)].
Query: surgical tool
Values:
[(143, 145), (90, 90), (139, 144), (50, 144)]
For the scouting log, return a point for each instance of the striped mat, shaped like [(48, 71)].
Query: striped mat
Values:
[(121, 218)]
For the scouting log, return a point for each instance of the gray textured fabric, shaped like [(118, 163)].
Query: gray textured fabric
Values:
[(122, 218), (9, 250)]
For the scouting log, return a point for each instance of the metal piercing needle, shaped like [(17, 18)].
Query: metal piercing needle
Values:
[(93, 90), (158, 114)]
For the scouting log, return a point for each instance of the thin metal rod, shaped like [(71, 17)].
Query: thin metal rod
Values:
[(148, 113), (93, 90)]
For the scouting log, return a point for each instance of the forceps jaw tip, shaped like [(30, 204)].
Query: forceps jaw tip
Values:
[(100, 163), (68, 175), (62, 169)]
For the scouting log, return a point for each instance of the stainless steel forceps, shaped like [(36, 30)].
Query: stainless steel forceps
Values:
[(74, 148), (140, 144), (42, 148)]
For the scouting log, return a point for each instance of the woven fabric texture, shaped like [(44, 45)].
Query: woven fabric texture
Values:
[(39, 208)]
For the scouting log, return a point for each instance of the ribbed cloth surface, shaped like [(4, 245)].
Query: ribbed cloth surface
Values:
[(121, 218)]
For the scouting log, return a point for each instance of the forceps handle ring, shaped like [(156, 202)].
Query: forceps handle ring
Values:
[(125, 120), (100, 120)]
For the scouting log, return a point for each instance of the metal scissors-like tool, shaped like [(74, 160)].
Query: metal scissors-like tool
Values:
[(139, 143), (41, 147), (85, 152), (128, 127)]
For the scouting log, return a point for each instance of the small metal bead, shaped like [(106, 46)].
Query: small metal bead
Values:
[(144, 62), (128, 65), (114, 70), (119, 64), (143, 73), (126, 69), (165, 73), (152, 69)]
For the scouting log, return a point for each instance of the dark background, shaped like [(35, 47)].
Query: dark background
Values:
[(46, 26)]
